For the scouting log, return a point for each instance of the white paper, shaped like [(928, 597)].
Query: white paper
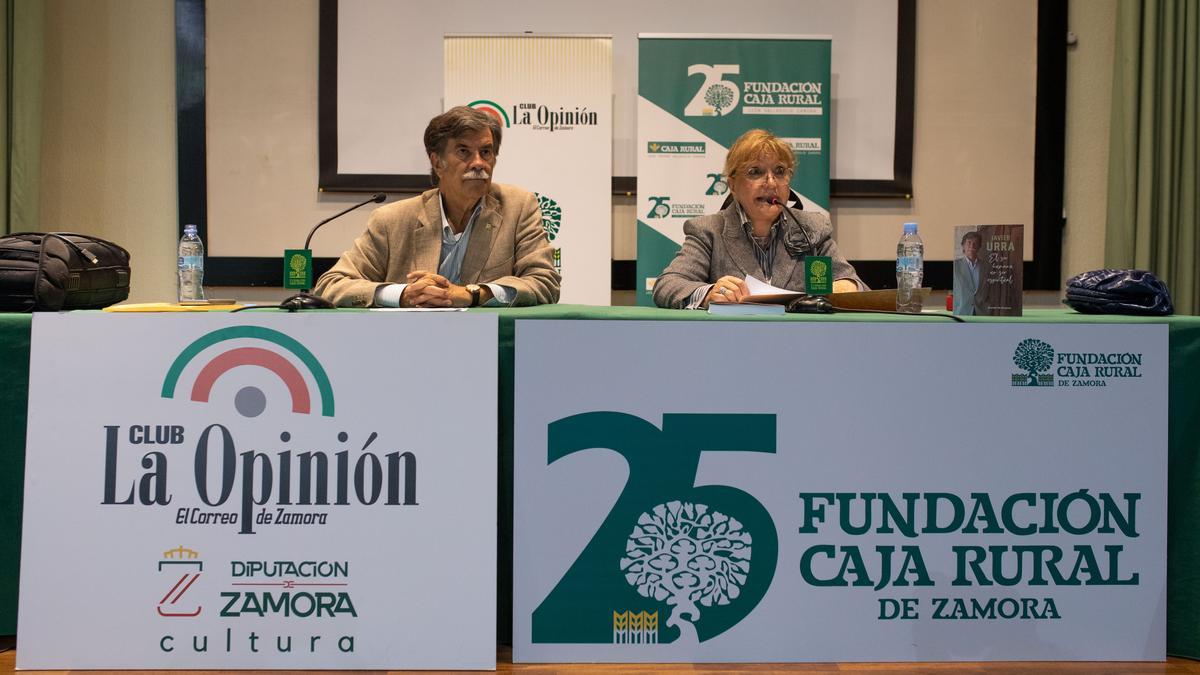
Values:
[(760, 290)]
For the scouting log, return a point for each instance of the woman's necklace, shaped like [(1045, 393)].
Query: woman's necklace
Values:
[(761, 241)]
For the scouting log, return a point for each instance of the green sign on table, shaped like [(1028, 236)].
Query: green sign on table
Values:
[(297, 268)]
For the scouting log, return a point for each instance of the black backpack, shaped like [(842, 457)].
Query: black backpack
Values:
[(51, 271)]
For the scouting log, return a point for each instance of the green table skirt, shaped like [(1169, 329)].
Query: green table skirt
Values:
[(1183, 498)]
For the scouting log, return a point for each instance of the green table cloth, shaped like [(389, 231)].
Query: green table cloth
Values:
[(1183, 500)]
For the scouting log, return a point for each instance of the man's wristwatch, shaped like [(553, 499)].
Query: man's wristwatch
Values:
[(473, 289)]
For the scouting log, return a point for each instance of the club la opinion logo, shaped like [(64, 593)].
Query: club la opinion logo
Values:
[(671, 562), (256, 491), (492, 108), (251, 401), (539, 116)]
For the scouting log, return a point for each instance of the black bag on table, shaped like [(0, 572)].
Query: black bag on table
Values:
[(51, 271), (1135, 292)]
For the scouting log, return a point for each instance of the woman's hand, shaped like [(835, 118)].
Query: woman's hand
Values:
[(727, 289), (844, 286)]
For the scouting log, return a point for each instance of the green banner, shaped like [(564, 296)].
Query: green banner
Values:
[(696, 95)]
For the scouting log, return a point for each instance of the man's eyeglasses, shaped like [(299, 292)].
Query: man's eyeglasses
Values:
[(758, 174)]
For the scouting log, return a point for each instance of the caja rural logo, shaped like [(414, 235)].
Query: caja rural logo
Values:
[(661, 207), (671, 562), (718, 96), (298, 482), (1042, 364)]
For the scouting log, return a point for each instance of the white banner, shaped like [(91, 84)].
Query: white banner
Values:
[(260, 491), (553, 96), (734, 492)]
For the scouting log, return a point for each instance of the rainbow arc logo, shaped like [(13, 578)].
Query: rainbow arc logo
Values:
[(250, 401), (492, 108)]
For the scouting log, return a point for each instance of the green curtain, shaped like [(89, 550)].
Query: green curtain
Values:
[(1153, 191), (25, 110), (5, 116)]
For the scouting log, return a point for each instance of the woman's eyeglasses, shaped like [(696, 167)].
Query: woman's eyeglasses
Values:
[(758, 174)]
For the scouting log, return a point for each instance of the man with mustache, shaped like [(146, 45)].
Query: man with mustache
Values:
[(468, 242)]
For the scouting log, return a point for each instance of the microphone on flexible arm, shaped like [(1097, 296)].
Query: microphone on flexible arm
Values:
[(819, 304), (807, 303), (297, 268), (774, 201)]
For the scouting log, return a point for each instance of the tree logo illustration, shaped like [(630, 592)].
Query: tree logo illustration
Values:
[(688, 556), (551, 215), (719, 97), (1035, 357), (667, 547), (819, 269), (716, 95)]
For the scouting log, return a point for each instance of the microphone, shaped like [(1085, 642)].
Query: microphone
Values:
[(819, 304), (774, 201), (297, 265), (377, 198)]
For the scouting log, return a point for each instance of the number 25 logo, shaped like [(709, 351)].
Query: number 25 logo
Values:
[(716, 95), (668, 545)]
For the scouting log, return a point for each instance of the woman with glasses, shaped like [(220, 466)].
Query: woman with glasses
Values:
[(757, 234)]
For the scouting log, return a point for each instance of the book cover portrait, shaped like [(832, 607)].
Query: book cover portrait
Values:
[(987, 270)]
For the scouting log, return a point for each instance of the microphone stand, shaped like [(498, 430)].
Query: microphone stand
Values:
[(304, 299), (805, 304)]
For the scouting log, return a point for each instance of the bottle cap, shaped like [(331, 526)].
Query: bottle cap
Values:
[(910, 228), (191, 229)]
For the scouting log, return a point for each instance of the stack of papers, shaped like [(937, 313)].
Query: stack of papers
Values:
[(744, 308), (172, 307), (763, 299)]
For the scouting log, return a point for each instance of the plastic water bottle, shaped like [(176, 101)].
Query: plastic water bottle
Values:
[(910, 270), (191, 265)]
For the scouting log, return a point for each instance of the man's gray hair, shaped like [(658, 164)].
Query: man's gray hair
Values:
[(455, 122)]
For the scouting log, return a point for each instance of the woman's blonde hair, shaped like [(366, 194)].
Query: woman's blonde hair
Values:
[(754, 144)]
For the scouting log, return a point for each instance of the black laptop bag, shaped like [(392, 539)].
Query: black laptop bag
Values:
[(52, 271)]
